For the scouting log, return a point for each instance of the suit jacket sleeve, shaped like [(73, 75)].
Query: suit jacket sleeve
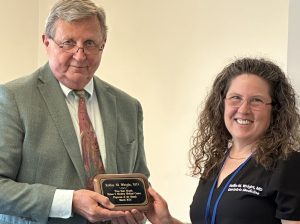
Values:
[(140, 165), (25, 200)]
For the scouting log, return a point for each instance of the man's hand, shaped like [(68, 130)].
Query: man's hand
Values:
[(94, 206), (131, 217)]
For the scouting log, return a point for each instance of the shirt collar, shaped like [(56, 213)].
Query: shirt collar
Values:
[(89, 88)]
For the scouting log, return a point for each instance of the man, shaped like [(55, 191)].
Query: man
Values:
[(42, 176)]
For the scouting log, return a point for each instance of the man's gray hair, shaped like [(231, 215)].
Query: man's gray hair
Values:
[(71, 10)]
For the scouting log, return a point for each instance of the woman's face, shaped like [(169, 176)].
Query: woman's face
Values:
[(247, 112)]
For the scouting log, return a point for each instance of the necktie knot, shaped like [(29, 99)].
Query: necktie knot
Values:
[(80, 93)]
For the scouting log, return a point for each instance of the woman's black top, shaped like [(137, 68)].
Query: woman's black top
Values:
[(254, 196)]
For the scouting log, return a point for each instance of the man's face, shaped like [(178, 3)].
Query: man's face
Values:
[(74, 70)]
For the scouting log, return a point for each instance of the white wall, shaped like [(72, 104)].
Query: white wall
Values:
[(294, 44), (166, 54), (18, 38)]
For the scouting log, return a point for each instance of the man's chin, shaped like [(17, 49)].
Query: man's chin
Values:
[(79, 83), (78, 69)]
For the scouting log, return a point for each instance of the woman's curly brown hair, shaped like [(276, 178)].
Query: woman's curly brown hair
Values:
[(211, 139)]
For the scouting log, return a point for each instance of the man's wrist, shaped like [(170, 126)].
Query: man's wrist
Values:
[(62, 204)]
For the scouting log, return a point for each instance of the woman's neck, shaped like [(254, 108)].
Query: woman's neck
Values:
[(241, 151)]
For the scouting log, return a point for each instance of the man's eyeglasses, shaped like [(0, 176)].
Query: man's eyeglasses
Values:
[(89, 47), (255, 103)]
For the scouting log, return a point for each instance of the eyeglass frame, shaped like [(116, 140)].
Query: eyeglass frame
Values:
[(230, 102), (61, 46)]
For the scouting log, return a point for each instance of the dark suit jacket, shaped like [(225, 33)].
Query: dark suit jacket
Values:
[(39, 151)]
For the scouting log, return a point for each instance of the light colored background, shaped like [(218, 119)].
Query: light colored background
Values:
[(165, 53), (293, 61)]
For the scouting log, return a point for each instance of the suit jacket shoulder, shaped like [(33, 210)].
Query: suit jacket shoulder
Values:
[(104, 86)]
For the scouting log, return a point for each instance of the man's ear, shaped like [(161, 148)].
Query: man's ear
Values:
[(45, 40), (102, 45)]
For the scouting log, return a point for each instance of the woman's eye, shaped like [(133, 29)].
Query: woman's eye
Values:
[(235, 98), (257, 100)]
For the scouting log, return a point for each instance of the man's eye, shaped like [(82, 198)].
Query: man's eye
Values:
[(90, 43), (68, 43)]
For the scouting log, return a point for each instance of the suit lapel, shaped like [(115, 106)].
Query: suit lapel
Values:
[(55, 101), (107, 103)]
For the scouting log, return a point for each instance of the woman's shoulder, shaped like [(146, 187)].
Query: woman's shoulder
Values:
[(292, 161), (287, 173)]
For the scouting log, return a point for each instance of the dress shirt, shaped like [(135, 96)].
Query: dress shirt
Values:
[(62, 201)]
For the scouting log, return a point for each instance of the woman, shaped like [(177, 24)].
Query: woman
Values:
[(245, 149)]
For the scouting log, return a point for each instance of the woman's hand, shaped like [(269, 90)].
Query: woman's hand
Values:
[(159, 213)]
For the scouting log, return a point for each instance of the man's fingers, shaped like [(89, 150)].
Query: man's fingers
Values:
[(105, 213), (94, 206), (103, 201)]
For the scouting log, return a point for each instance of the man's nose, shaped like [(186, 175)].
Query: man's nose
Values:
[(79, 55)]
